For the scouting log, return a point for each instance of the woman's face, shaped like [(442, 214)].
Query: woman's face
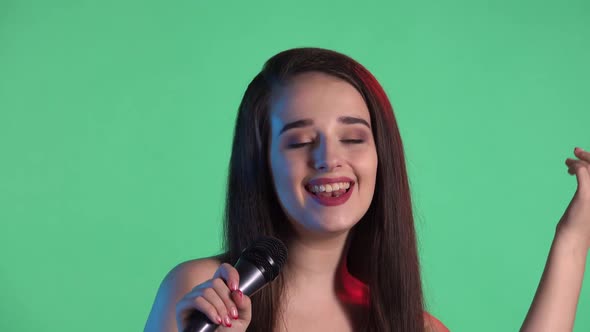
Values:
[(322, 153)]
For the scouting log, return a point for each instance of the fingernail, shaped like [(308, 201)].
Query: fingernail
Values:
[(240, 294), (218, 319), (233, 286), (227, 321), (234, 313)]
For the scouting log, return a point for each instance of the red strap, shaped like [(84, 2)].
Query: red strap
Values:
[(354, 291)]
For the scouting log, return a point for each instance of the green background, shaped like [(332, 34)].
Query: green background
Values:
[(116, 120)]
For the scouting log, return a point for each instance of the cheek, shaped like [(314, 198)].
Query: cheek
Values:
[(285, 174), (368, 168)]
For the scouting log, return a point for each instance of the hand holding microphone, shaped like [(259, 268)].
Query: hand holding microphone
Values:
[(223, 303), (215, 300)]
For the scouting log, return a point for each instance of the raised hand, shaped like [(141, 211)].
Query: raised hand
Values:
[(555, 302)]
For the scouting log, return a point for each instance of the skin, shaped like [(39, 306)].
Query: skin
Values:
[(554, 305)]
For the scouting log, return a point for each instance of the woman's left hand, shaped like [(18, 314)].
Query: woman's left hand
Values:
[(555, 303), (576, 219)]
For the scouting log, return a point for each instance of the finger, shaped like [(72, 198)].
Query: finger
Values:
[(229, 274), (224, 295), (215, 300), (202, 305), (583, 178), (583, 155), (573, 165), (244, 305), (582, 171), (570, 161)]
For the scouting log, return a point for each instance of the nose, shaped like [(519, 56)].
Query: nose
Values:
[(326, 156)]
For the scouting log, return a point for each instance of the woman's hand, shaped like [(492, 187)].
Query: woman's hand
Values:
[(575, 222), (220, 300), (555, 302)]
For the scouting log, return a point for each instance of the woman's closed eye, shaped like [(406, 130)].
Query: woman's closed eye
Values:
[(346, 141), (298, 145), (353, 141)]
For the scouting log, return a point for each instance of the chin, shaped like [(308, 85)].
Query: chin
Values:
[(329, 226)]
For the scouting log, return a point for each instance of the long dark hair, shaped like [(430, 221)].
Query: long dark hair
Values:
[(382, 245)]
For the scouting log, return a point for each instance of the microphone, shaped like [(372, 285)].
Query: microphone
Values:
[(258, 265)]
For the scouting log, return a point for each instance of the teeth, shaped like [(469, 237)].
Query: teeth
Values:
[(328, 188)]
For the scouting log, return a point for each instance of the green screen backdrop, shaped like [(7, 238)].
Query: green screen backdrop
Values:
[(116, 119)]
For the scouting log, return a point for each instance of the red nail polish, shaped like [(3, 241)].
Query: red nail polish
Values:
[(234, 313), (240, 294)]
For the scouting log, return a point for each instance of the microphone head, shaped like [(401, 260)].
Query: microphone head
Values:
[(268, 254)]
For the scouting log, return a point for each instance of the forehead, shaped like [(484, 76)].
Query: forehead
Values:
[(317, 96)]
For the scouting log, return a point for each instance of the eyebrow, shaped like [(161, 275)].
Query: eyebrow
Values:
[(309, 122)]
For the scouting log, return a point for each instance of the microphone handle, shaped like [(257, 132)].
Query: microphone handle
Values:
[(251, 280)]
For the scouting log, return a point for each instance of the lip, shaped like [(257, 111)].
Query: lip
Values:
[(331, 201), (319, 181)]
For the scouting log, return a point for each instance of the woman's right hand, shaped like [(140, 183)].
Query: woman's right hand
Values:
[(220, 300)]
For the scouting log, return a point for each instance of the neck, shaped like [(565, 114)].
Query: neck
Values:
[(313, 262)]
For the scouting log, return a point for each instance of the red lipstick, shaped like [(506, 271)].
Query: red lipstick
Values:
[(318, 181), (331, 201)]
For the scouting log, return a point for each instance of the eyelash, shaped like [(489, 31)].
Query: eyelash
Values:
[(348, 141)]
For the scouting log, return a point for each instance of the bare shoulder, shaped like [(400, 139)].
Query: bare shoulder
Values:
[(178, 282), (432, 324), (192, 272)]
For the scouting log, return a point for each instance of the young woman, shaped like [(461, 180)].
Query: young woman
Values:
[(318, 162)]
